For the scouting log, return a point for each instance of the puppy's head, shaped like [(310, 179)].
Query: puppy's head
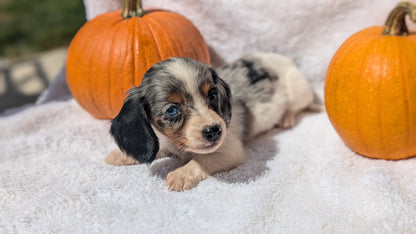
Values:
[(183, 99)]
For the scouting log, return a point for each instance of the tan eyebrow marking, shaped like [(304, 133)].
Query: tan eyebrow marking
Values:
[(205, 88), (175, 98)]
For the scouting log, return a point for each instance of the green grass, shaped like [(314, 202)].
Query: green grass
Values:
[(29, 26)]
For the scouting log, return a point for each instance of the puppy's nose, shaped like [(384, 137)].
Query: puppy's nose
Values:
[(212, 133)]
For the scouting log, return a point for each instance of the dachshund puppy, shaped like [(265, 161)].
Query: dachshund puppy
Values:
[(205, 116)]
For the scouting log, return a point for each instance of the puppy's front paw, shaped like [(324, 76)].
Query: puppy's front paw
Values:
[(182, 179), (118, 158)]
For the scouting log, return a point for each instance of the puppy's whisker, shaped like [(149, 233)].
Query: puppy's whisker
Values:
[(180, 146), (174, 139), (194, 128)]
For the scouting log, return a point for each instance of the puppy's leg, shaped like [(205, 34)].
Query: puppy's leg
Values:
[(118, 158), (230, 155), (288, 120), (300, 96)]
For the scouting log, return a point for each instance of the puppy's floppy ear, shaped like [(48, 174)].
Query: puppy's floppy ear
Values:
[(224, 96), (132, 131)]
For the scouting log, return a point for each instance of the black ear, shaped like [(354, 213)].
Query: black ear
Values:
[(132, 131), (224, 96)]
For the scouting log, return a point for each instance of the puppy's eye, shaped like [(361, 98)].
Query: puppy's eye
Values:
[(172, 111), (213, 95)]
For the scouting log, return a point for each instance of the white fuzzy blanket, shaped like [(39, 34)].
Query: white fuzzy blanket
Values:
[(302, 180)]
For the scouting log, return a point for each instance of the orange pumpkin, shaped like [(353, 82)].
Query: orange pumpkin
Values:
[(370, 90), (111, 53)]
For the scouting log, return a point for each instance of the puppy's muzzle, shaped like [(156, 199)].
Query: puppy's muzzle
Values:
[(212, 133)]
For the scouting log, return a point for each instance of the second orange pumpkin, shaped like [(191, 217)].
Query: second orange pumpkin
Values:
[(370, 90)]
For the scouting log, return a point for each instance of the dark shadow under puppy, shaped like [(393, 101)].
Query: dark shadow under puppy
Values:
[(205, 116), (258, 153)]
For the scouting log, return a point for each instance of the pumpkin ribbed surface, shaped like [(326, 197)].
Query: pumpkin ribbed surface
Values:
[(110, 55), (370, 94)]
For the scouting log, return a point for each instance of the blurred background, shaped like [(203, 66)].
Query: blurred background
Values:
[(34, 36)]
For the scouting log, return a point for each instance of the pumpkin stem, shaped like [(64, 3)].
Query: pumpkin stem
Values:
[(396, 24), (132, 8)]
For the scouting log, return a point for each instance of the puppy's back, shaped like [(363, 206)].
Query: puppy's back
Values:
[(270, 86)]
